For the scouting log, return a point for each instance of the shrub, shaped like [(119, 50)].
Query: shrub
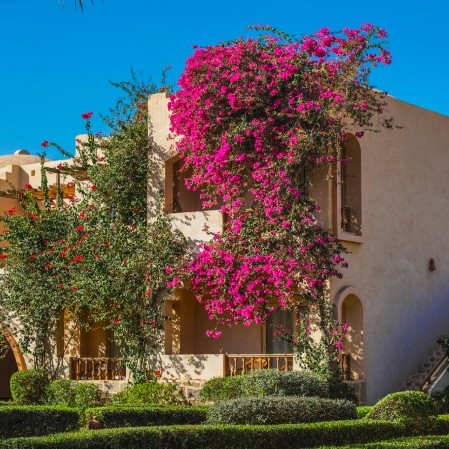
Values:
[(265, 383), (362, 411), (411, 408), (287, 436), (74, 394), (149, 393), (442, 399), (28, 387), (222, 388), (109, 417), (60, 392), (36, 420), (279, 410)]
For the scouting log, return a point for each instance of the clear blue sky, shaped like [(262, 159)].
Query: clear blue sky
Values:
[(56, 62)]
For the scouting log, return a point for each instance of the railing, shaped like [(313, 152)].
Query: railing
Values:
[(97, 368), (236, 364)]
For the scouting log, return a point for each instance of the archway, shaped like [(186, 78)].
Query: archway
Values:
[(350, 311), (12, 361)]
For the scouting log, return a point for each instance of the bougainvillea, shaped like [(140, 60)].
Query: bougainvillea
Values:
[(255, 117)]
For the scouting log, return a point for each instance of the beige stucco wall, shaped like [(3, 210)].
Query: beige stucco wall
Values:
[(404, 223), (405, 195)]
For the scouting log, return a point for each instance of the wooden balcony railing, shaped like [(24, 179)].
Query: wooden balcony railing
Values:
[(97, 368), (236, 364)]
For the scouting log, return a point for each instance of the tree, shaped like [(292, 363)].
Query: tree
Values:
[(94, 257), (256, 116)]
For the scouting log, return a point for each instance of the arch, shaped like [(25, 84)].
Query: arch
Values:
[(11, 362), (18, 355), (350, 311), (350, 192)]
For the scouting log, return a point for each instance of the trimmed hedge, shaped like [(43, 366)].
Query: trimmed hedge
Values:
[(30, 420), (363, 410), (28, 387), (110, 417), (427, 442), (290, 436), (150, 393), (70, 393), (279, 410), (412, 408), (267, 382)]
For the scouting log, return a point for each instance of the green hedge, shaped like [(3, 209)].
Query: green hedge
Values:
[(363, 410), (28, 387), (279, 410), (266, 383), (217, 437), (110, 417), (426, 442), (30, 420)]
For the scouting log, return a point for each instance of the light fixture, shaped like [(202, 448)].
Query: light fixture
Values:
[(432, 266)]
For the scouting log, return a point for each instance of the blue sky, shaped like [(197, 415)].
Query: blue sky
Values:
[(56, 62)]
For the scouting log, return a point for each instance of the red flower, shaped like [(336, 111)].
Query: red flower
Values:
[(74, 288), (80, 228), (168, 270), (148, 292), (60, 165), (47, 266), (45, 143), (106, 244), (33, 256), (3, 256), (93, 187), (157, 373), (101, 159), (86, 115), (118, 321), (82, 215), (125, 261), (33, 216), (11, 211), (61, 284), (27, 186)]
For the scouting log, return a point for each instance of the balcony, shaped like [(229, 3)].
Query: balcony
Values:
[(236, 364), (97, 368)]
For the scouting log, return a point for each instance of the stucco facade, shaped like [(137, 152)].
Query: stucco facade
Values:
[(388, 206)]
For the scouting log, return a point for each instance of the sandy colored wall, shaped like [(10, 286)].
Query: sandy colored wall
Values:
[(405, 197)]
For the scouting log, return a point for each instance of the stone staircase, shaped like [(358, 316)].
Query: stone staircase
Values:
[(425, 375)]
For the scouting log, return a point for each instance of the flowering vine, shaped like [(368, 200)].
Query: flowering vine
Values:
[(255, 117)]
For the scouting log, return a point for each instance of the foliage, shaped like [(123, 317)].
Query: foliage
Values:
[(28, 387), (363, 410), (256, 117), (110, 417), (284, 383), (289, 436), (149, 393), (222, 388), (93, 256), (441, 398), (279, 410), (412, 408), (27, 421)]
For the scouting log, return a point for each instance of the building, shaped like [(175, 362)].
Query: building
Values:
[(391, 214)]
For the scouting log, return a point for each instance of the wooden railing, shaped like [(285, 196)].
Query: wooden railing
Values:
[(236, 364), (97, 368)]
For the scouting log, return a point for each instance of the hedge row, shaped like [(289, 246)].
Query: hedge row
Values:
[(427, 442), (289, 436), (280, 410), (25, 421), (111, 417)]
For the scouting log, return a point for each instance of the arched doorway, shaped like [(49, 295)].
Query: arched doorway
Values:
[(350, 311), (11, 362)]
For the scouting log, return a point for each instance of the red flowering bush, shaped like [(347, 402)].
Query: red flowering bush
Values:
[(255, 117)]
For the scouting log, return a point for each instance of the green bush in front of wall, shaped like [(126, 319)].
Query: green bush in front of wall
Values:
[(28, 387)]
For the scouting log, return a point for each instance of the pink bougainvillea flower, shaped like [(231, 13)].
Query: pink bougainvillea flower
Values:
[(86, 115), (45, 143), (27, 187), (168, 270)]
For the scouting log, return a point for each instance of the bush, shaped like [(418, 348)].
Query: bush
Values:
[(284, 383), (362, 411), (28, 387), (442, 399), (265, 383), (149, 393), (222, 388), (279, 410), (110, 417), (411, 408), (287, 436), (36, 420), (74, 394)]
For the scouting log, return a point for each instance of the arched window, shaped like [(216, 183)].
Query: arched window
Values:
[(352, 356), (350, 187)]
